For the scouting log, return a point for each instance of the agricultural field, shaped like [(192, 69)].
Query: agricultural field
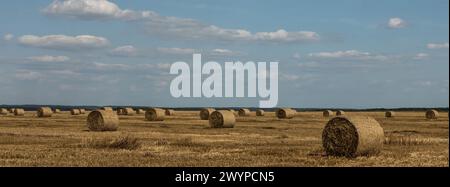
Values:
[(185, 140)]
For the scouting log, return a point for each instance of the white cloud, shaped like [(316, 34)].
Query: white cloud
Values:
[(176, 51), (124, 51), (48, 58), (421, 56), (347, 55), (27, 75), (396, 23), (64, 42), (8, 37), (164, 25), (437, 46)]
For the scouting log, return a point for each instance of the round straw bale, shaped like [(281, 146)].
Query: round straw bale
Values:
[(170, 112), (222, 119), (432, 114), (43, 112), (120, 111), (3, 111), (260, 112), (11, 110), (352, 136), (82, 111), (56, 111), (244, 112), (107, 108), (102, 120), (205, 112), (75, 111), (340, 113), (155, 114), (140, 111), (328, 113), (285, 113), (234, 112), (128, 111), (19, 112), (389, 114)]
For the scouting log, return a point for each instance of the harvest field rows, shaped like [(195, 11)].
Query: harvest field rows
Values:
[(185, 140)]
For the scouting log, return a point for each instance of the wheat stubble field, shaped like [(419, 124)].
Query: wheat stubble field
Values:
[(185, 140)]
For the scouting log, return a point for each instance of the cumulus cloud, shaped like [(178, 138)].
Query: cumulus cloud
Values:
[(124, 51), (164, 25), (347, 55), (48, 58), (421, 56), (63, 42), (396, 23), (8, 37), (176, 51), (437, 46)]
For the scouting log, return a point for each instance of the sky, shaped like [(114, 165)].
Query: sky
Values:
[(331, 54)]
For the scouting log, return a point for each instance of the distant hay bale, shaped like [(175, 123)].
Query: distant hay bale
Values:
[(205, 112), (170, 112), (244, 112), (155, 114), (389, 114), (107, 108), (11, 110), (82, 111), (120, 111), (260, 112), (234, 112), (285, 113), (56, 111), (222, 119), (432, 114), (328, 113), (128, 111), (102, 120), (75, 111), (44, 112), (340, 113), (140, 111), (19, 112), (352, 136), (3, 111)]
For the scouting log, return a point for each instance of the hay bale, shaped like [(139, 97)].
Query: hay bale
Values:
[(389, 114), (82, 111), (11, 110), (432, 114), (107, 108), (340, 113), (155, 114), (56, 111), (244, 112), (352, 136), (328, 113), (3, 111), (205, 112), (140, 111), (285, 113), (102, 120), (120, 111), (19, 112), (170, 112), (260, 112), (128, 111), (75, 111), (222, 119), (234, 112), (44, 112)]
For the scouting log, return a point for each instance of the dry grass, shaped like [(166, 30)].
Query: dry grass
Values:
[(185, 140)]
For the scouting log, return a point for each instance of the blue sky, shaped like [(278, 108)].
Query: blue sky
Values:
[(347, 54)]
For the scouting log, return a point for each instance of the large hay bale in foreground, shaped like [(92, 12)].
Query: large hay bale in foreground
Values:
[(75, 111), (432, 114), (328, 113), (44, 112), (260, 112), (285, 113), (205, 112), (222, 119), (244, 112), (102, 120), (155, 114), (128, 111), (170, 112), (389, 114), (3, 111), (19, 112), (82, 111), (352, 136), (340, 113)]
